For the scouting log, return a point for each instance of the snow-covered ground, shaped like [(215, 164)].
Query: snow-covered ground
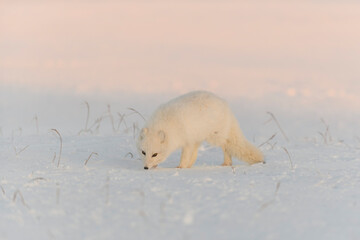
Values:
[(309, 187)]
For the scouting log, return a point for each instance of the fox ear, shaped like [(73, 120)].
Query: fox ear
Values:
[(162, 136), (143, 133)]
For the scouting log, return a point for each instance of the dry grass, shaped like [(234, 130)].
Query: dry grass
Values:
[(86, 129), (61, 143), (21, 150), (121, 120), (18, 193), (288, 154), (87, 160), (268, 141), (278, 125), (115, 121), (111, 118), (135, 129), (87, 114), (13, 133), (326, 135), (96, 125), (266, 204), (138, 113), (54, 157)]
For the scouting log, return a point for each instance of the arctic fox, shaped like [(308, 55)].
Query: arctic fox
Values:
[(185, 122)]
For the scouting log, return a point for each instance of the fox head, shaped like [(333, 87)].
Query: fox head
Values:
[(152, 147)]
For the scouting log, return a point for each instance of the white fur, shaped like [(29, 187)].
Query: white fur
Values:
[(188, 120)]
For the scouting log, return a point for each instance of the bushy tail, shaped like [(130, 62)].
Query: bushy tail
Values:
[(239, 147)]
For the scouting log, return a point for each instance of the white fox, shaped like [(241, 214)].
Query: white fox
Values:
[(185, 122)]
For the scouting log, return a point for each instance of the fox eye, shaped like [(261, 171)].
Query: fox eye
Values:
[(154, 155), (143, 152)]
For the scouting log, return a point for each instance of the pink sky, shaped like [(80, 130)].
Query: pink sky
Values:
[(240, 48)]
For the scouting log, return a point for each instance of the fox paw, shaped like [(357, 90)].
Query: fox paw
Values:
[(183, 166), (226, 164)]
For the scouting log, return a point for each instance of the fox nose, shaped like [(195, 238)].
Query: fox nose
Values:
[(146, 168)]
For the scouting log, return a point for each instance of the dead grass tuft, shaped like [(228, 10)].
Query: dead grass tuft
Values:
[(121, 120), (53, 160), (138, 113), (268, 142), (57, 132), (135, 129), (288, 154), (93, 153), (326, 135), (18, 193), (21, 150), (266, 204), (278, 125), (111, 118), (86, 129)]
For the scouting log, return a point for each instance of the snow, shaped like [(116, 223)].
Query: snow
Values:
[(312, 193)]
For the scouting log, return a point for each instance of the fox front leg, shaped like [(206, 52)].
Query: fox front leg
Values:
[(193, 155), (185, 157)]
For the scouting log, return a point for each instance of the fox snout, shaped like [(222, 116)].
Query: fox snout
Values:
[(147, 167)]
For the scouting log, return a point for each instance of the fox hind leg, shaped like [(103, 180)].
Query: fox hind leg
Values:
[(227, 158)]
